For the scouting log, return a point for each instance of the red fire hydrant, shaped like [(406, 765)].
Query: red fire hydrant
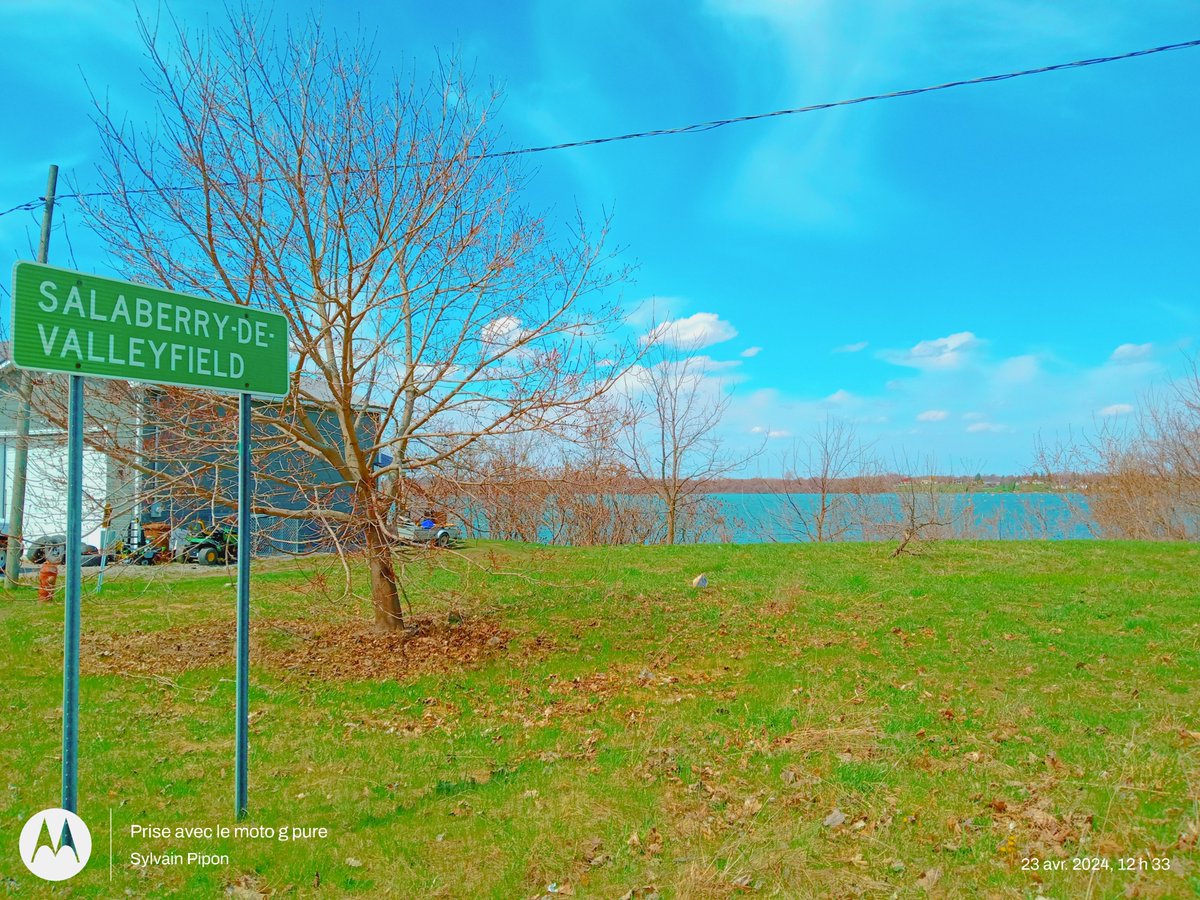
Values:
[(47, 576)]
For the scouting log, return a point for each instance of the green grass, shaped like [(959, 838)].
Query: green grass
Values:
[(964, 708)]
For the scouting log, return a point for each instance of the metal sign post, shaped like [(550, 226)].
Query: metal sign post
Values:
[(72, 598), (245, 492), (79, 324)]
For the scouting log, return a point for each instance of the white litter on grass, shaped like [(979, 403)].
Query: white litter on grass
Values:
[(700, 581)]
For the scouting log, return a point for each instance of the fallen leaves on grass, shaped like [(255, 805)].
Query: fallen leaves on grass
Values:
[(352, 654), (929, 878), (246, 887), (834, 819), (742, 883), (843, 738), (340, 651), (649, 892), (594, 854), (1189, 838), (653, 845), (1044, 831)]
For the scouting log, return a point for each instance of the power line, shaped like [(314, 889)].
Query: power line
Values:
[(698, 127), (984, 79)]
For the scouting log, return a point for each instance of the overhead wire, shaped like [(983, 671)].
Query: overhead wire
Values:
[(695, 128), (909, 92)]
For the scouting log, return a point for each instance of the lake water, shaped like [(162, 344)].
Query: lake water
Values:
[(767, 518), (761, 518)]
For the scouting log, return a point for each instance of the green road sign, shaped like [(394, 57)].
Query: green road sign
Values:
[(66, 321)]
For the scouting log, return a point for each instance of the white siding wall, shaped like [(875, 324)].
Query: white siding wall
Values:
[(46, 489)]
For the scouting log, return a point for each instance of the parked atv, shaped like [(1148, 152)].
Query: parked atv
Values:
[(52, 548), (212, 545)]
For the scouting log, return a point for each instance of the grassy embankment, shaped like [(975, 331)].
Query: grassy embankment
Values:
[(946, 714)]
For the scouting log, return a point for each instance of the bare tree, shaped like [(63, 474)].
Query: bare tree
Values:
[(597, 499), (428, 309), (671, 444), (1066, 470), (549, 489), (1169, 429), (925, 512), (829, 475), (1140, 475), (1146, 484)]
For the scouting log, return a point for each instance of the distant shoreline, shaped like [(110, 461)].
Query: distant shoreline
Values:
[(990, 484)]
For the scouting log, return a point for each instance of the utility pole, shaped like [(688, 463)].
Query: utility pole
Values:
[(16, 515)]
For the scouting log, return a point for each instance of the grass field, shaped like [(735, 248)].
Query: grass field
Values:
[(820, 721)]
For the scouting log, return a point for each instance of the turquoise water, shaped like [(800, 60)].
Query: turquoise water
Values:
[(760, 518), (766, 518)]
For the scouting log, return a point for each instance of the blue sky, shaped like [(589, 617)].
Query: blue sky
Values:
[(955, 273)]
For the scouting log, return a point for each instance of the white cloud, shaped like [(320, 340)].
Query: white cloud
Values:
[(1117, 409), (697, 331), (851, 348), (770, 432), (933, 415), (710, 374), (502, 331), (751, 351), (1017, 370), (699, 364), (990, 427), (841, 396), (1131, 352), (939, 353)]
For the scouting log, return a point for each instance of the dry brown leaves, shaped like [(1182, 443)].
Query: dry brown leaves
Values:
[(1037, 827), (844, 738), (339, 652), (1051, 833)]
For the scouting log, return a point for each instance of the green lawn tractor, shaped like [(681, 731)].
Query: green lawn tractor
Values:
[(213, 545)]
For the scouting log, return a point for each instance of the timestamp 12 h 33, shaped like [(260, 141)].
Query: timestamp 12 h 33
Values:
[(1097, 864)]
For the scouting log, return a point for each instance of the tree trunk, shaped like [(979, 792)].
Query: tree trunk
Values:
[(385, 592), (671, 504)]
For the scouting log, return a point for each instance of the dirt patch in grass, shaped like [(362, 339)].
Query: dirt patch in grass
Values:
[(336, 652)]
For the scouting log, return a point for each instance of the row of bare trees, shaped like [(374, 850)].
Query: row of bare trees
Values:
[(636, 469), (1140, 476), (1150, 472)]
